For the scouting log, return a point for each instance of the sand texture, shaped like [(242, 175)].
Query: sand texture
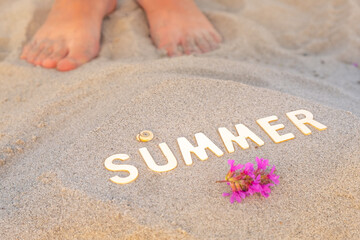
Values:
[(56, 129)]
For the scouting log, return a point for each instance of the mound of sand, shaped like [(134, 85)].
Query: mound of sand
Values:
[(57, 129)]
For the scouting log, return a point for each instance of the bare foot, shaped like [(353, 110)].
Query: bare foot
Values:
[(178, 26), (70, 36)]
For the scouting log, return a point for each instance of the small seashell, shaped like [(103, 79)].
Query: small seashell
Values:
[(145, 136)]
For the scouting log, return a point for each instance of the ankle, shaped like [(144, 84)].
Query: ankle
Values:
[(103, 7), (165, 5)]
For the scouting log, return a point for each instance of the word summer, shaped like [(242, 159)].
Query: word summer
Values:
[(203, 142)]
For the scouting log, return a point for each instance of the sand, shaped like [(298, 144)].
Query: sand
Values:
[(56, 129)]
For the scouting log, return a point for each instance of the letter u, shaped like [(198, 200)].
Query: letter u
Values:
[(149, 160)]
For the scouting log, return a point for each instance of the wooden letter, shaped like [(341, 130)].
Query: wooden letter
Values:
[(203, 142), (271, 130), (244, 133), (109, 165), (300, 123), (172, 162)]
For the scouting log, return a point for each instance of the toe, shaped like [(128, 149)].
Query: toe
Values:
[(26, 51), (67, 64), (44, 54), (211, 41), (202, 43), (171, 49), (216, 36), (58, 53), (179, 50), (170, 45), (78, 55), (189, 46), (34, 51)]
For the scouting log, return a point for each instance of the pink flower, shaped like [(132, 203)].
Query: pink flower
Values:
[(249, 167), (235, 196), (262, 163), (272, 176), (255, 187), (265, 191), (244, 180), (233, 167)]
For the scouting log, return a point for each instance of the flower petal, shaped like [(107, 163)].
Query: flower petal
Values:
[(232, 198), (274, 178), (249, 167), (239, 166), (238, 198)]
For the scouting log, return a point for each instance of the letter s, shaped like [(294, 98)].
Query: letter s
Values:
[(109, 165)]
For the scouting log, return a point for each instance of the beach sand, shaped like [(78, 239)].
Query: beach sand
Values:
[(57, 129)]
